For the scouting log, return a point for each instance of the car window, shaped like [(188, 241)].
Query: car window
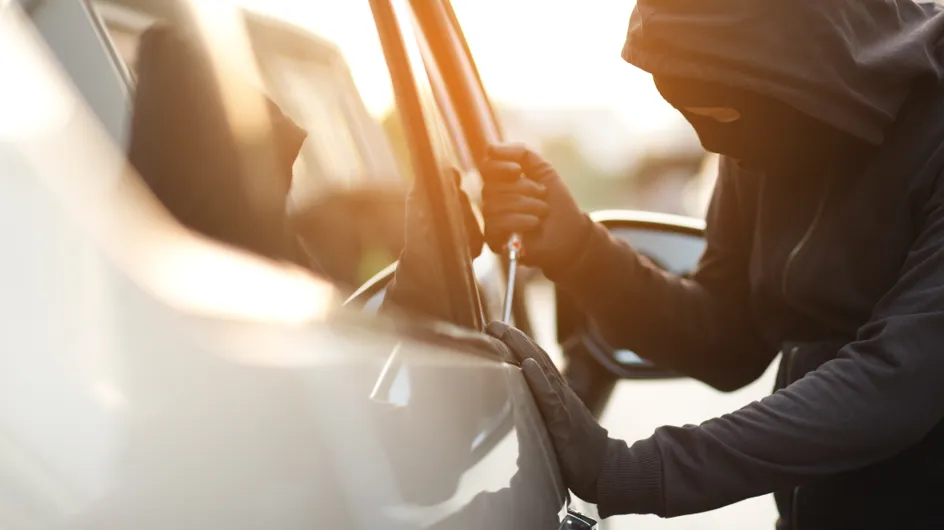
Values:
[(330, 88), (327, 71), (313, 95)]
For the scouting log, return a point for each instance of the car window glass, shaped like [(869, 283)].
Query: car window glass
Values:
[(321, 95), (327, 71), (310, 94)]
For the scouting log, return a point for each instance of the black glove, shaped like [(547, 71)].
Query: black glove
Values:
[(538, 207), (581, 443)]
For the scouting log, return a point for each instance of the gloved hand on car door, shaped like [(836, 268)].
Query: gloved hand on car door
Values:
[(583, 446)]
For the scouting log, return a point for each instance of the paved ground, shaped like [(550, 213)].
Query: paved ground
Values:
[(639, 407)]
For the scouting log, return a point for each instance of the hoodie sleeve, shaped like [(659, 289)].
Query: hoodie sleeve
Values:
[(880, 396), (699, 326)]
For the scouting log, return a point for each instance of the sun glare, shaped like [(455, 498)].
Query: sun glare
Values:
[(530, 54), (349, 26)]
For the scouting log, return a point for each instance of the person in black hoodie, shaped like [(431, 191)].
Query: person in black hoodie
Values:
[(825, 244)]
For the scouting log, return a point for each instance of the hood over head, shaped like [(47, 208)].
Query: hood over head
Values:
[(850, 63)]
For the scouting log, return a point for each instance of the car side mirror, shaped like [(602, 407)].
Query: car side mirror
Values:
[(673, 243)]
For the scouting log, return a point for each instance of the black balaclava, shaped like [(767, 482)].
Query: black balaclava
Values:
[(768, 136), (851, 64)]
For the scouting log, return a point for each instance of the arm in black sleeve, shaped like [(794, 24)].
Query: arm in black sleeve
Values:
[(881, 395), (698, 326)]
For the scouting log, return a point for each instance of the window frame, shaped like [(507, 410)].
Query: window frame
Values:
[(444, 101), (442, 195), (450, 55)]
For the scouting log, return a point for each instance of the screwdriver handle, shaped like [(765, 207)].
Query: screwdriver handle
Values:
[(514, 248)]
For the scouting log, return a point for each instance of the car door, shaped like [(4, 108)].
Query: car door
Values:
[(221, 392)]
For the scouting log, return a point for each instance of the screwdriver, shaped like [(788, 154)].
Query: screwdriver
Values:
[(515, 249)]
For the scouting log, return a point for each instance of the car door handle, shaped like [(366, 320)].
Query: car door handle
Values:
[(575, 520)]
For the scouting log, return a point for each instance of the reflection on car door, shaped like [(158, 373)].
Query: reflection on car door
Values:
[(461, 438)]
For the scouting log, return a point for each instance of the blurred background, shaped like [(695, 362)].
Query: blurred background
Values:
[(555, 74)]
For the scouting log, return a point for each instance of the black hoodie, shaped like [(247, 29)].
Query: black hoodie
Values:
[(842, 271)]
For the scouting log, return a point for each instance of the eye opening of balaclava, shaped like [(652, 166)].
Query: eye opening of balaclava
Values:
[(766, 135)]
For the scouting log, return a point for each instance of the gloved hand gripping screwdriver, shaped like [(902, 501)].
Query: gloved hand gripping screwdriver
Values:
[(514, 248)]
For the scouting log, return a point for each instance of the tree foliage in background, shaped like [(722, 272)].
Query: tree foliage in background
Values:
[(592, 188)]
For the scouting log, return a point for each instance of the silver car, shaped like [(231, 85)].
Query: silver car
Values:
[(155, 378)]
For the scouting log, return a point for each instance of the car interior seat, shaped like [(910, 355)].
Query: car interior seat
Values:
[(223, 184)]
